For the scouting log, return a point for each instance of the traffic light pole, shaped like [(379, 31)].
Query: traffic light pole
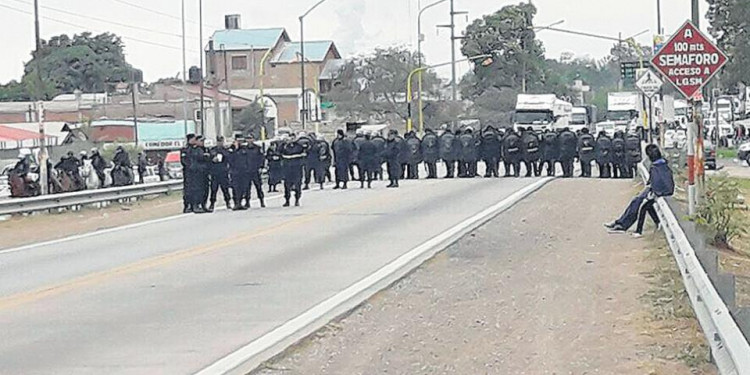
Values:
[(695, 137)]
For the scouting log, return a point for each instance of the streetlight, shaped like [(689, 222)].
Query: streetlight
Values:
[(302, 53), (420, 37), (421, 69)]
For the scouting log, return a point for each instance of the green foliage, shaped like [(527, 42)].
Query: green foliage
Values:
[(719, 212), (250, 120), (374, 85), (728, 19), (84, 62)]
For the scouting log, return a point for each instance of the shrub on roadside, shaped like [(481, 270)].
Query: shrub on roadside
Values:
[(719, 212)]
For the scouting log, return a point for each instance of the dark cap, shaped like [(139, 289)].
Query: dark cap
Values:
[(200, 138), (190, 136), (220, 139)]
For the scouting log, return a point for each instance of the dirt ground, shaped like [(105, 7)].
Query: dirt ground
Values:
[(541, 289), (22, 230)]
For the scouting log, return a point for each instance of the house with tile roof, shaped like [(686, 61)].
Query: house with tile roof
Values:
[(233, 63)]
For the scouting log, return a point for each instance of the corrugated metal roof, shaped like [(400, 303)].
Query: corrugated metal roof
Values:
[(314, 51), (238, 40), (13, 134)]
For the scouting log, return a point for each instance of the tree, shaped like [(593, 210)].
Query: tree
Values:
[(728, 19), (250, 120), (508, 35), (84, 62), (374, 85)]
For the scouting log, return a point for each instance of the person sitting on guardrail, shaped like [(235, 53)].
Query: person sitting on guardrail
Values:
[(660, 184)]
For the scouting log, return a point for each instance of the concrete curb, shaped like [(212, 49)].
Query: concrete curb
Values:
[(275, 342)]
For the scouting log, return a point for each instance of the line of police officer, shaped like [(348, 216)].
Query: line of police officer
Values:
[(298, 161)]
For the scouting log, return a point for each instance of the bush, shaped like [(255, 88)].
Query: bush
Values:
[(719, 212)]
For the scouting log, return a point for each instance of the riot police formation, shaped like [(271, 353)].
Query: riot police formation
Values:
[(512, 153), (568, 151), (550, 152), (632, 154), (414, 146), (448, 152), (469, 154), (618, 155), (293, 154), (530, 152), (604, 155)]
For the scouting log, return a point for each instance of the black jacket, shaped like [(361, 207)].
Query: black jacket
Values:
[(511, 147), (469, 147), (568, 145), (530, 146), (448, 147), (293, 154), (430, 147), (586, 148), (604, 150), (550, 147), (343, 150), (415, 149)]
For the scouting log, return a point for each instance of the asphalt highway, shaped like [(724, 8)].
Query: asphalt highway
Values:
[(175, 295)]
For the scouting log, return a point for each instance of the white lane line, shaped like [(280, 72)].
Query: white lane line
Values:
[(250, 356), (117, 229)]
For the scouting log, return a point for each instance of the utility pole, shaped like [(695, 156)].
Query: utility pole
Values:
[(658, 17), (40, 105), (200, 37), (454, 86), (695, 136), (184, 72), (134, 94), (303, 111)]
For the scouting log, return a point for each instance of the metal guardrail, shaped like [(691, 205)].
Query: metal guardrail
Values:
[(730, 350), (80, 198)]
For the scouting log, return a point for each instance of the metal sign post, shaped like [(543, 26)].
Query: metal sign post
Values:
[(689, 60), (649, 85)]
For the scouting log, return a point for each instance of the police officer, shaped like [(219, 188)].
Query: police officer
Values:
[(633, 154), (448, 146), (308, 141), (186, 177), (603, 155), (219, 173), (142, 164), (512, 153), (550, 152), (430, 152), (415, 155), (122, 166), (359, 138), (586, 151), (392, 155), (530, 152), (403, 156), (324, 160), (379, 143), (490, 152), (469, 154), (275, 169), (203, 161), (239, 171), (99, 165), (343, 151), (369, 160), (568, 151), (194, 173), (618, 155), (293, 154), (256, 162)]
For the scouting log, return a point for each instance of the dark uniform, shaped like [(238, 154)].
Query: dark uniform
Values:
[(239, 169), (275, 169), (293, 154), (307, 141), (369, 160), (70, 165), (632, 155), (186, 206), (430, 152), (403, 156), (586, 152), (618, 155), (550, 151), (197, 170), (256, 163), (568, 150), (469, 156), (415, 155), (343, 150), (448, 152), (379, 143), (490, 152), (531, 153), (392, 155), (604, 155), (99, 165), (219, 173), (512, 153), (123, 168), (142, 164), (324, 161), (355, 162)]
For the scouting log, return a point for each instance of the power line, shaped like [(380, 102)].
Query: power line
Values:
[(160, 13), (88, 28), (104, 20)]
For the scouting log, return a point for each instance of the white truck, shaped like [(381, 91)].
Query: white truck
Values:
[(624, 110), (541, 112)]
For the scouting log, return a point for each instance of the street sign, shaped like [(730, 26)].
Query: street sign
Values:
[(689, 60), (649, 84), (628, 69)]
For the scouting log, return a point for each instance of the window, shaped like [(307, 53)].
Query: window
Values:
[(239, 62)]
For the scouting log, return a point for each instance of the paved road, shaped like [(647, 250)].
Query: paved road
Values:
[(174, 296)]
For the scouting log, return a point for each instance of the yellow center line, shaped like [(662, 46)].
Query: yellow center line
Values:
[(23, 298)]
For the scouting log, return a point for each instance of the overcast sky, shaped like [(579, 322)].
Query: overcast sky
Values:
[(153, 42)]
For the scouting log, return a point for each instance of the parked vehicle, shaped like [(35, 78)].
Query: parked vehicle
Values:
[(541, 112), (173, 165), (709, 152)]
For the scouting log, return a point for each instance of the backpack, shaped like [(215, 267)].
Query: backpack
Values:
[(662, 180)]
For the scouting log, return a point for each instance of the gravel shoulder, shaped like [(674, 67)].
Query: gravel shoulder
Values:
[(541, 289)]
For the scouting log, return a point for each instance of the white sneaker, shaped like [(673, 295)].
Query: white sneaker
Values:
[(636, 235)]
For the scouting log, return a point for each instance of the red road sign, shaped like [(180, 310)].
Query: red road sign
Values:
[(689, 60)]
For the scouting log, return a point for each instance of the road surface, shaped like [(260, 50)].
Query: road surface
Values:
[(174, 296)]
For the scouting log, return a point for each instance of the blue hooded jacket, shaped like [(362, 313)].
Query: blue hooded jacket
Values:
[(661, 179)]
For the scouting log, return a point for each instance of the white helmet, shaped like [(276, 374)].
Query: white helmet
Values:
[(24, 152)]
